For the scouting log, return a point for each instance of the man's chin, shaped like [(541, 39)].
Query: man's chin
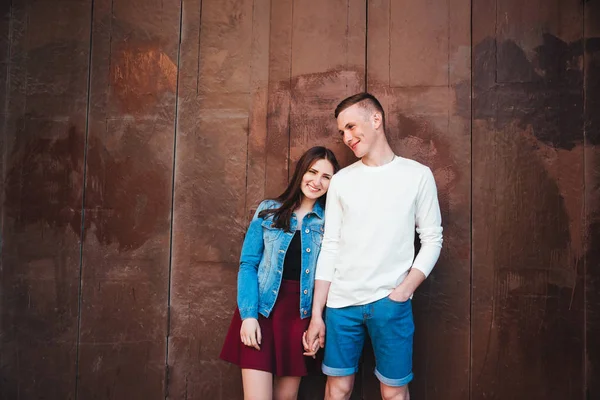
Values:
[(357, 153)]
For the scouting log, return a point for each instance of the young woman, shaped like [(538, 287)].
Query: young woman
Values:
[(275, 282)]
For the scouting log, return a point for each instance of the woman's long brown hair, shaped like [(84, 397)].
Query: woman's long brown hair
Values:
[(291, 198)]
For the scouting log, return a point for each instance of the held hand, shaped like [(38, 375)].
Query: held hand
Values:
[(314, 346), (250, 333), (314, 337), (399, 295)]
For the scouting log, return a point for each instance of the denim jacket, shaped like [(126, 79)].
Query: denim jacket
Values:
[(261, 261)]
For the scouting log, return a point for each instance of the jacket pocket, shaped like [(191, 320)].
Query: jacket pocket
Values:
[(316, 234), (270, 233)]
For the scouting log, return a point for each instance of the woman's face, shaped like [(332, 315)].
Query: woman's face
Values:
[(315, 181)]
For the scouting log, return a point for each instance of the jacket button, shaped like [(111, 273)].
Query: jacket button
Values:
[(305, 312), (307, 270), (308, 250), (307, 231), (305, 291)]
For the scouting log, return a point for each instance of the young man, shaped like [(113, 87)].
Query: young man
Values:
[(366, 272)]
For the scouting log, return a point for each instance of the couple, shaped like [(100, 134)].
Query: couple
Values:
[(353, 257)]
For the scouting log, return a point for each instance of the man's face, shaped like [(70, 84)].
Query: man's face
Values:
[(357, 125)]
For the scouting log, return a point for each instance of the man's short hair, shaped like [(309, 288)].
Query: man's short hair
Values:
[(364, 100)]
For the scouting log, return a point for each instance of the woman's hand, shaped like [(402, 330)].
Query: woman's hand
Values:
[(314, 337), (250, 333)]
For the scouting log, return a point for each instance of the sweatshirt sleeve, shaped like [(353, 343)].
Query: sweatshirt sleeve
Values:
[(331, 237), (429, 225)]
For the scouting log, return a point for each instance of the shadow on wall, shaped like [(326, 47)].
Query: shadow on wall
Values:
[(44, 182), (530, 107), (125, 197), (545, 92)]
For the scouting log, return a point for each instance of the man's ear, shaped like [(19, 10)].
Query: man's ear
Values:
[(377, 119)]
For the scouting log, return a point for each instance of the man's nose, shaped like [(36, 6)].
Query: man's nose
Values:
[(347, 137)]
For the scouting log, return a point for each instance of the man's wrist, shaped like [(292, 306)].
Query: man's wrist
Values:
[(317, 313), (404, 290)]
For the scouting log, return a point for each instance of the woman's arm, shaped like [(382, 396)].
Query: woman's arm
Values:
[(252, 253)]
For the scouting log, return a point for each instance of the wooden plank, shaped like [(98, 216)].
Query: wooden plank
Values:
[(521, 27), (592, 196), (5, 48), (220, 175), (259, 81), (527, 321), (203, 300), (43, 145), (128, 199), (5, 53), (421, 36), (427, 104), (327, 64), (279, 101)]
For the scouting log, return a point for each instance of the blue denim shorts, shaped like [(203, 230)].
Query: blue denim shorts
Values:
[(389, 325)]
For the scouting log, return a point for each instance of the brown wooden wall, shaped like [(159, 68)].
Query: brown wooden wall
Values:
[(139, 135)]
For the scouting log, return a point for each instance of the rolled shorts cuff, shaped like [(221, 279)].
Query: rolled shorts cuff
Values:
[(393, 382), (338, 371)]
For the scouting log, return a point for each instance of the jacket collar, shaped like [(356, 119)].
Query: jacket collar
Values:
[(318, 210)]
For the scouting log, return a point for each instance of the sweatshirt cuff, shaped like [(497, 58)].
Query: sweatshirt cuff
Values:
[(426, 259), (326, 278), (426, 271)]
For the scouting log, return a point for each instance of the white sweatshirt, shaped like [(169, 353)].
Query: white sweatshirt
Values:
[(370, 220)]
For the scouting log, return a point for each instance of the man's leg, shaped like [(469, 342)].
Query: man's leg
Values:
[(394, 392), (344, 340), (391, 329), (339, 387)]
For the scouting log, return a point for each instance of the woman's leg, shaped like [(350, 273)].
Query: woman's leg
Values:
[(286, 387), (258, 385)]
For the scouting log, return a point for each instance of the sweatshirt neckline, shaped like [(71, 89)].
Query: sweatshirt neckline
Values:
[(379, 167)]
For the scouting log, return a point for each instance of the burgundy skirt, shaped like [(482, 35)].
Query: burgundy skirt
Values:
[(281, 349)]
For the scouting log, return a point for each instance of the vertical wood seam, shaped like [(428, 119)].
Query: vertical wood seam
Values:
[(83, 198), (168, 326)]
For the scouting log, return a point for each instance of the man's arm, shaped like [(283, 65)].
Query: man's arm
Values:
[(315, 335), (408, 286), (332, 234), (429, 227), (320, 298)]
